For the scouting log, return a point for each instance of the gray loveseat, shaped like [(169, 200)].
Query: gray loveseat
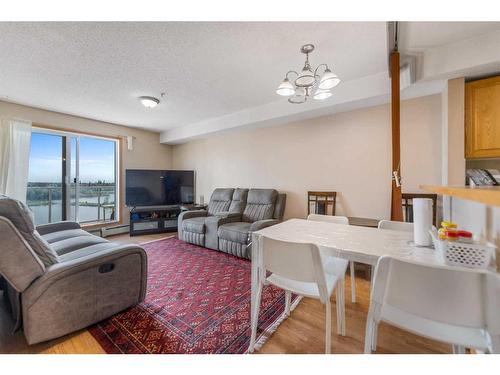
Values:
[(231, 217), (61, 278)]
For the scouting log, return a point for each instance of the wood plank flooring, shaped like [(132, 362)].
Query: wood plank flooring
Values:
[(302, 332)]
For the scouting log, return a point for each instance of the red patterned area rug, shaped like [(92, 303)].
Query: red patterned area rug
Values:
[(197, 301)]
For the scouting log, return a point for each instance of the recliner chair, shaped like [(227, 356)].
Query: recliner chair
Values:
[(227, 225), (264, 207), (200, 227), (61, 278)]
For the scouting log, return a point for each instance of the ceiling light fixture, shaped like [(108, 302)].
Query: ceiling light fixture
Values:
[(308, 81), (320, 94), (149, 101)]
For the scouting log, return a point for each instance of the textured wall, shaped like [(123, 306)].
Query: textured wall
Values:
[(348, 152)]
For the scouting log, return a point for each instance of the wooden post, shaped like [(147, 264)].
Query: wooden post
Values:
[(396, 197)]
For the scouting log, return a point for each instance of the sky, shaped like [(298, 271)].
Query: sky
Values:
[(96, 159)]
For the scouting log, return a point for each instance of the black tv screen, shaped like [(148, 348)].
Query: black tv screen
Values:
[(156, 187)]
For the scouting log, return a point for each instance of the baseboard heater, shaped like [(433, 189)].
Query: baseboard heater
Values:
[(111, 231)]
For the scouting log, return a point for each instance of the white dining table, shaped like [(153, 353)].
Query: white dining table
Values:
[(359, 244)]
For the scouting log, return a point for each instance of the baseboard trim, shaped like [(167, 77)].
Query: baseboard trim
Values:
[(111, 231)]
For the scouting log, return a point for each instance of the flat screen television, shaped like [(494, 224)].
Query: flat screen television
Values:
[(158, 187)]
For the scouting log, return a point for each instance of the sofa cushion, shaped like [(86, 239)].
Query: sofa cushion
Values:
[(235, 232), (220, 200), (22, 218), (64, 234), (194, 225), (76, 243), (260, 205), (239, 200), (89, 250)]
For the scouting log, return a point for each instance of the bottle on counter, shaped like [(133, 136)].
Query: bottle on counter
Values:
[(446, 225), (449, 232)]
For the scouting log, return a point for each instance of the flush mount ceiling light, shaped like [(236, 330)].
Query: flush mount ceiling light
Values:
[(149, 101), (308, 81)]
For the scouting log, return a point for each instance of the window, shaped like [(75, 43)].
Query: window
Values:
[(72, 177)]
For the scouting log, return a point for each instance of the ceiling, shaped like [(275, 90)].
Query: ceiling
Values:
[(420, 36), (208, 70)]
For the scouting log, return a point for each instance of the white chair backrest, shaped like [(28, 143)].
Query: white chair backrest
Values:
[(329, 219), (445, 295), (295, 261), (395, 225)]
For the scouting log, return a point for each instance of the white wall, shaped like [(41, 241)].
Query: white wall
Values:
[(349, 153)]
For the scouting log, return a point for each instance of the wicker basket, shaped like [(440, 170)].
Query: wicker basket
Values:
[(464, 254)]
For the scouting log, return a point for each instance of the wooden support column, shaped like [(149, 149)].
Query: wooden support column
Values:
[(396, 198)]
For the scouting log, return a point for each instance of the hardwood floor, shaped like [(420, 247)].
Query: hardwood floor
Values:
[(302, 332)]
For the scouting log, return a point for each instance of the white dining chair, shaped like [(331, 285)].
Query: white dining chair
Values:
[(298, 268), (395, 225), (339, 220), (457, 306)]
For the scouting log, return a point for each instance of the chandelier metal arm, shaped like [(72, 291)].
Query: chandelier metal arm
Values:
[(291, 71), (319, 66), (307, 83)]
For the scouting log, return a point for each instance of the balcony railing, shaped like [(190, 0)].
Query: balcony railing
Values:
[(97, 203)]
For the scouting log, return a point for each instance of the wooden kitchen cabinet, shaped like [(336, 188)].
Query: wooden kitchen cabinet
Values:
[(482, 118)]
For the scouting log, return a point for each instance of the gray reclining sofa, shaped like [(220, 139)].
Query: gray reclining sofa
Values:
[(60, 278), (231, 217)]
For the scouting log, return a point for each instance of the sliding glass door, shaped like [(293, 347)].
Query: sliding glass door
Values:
[(45, 180), (72, 171), (95, 180), (87, 188)]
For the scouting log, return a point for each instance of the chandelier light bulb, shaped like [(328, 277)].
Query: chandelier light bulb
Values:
[(322, 94), (309, 82), (328, 80), (285, 88)]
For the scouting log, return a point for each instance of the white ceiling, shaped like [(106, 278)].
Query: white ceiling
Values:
[(420, 36), (208, 70)]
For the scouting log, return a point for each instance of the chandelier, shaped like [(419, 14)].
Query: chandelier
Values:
[(308, 82)]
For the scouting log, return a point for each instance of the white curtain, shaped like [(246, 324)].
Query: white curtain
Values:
[(15, 139)]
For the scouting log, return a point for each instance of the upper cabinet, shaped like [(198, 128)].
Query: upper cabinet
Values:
[(482, 118)]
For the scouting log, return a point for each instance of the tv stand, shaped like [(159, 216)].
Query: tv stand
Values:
[(154, 219)]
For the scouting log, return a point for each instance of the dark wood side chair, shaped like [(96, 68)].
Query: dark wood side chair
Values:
[(408, 205), (324, 203), (321, 202)]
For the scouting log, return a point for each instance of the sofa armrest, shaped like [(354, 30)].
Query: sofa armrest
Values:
[(57, 227), (74, 294), (59, 271), (190, 214), (261, 224), (227, 214), (217, 221)]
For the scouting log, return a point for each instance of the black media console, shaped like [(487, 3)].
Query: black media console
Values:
[(157, 219), (154, 219)]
